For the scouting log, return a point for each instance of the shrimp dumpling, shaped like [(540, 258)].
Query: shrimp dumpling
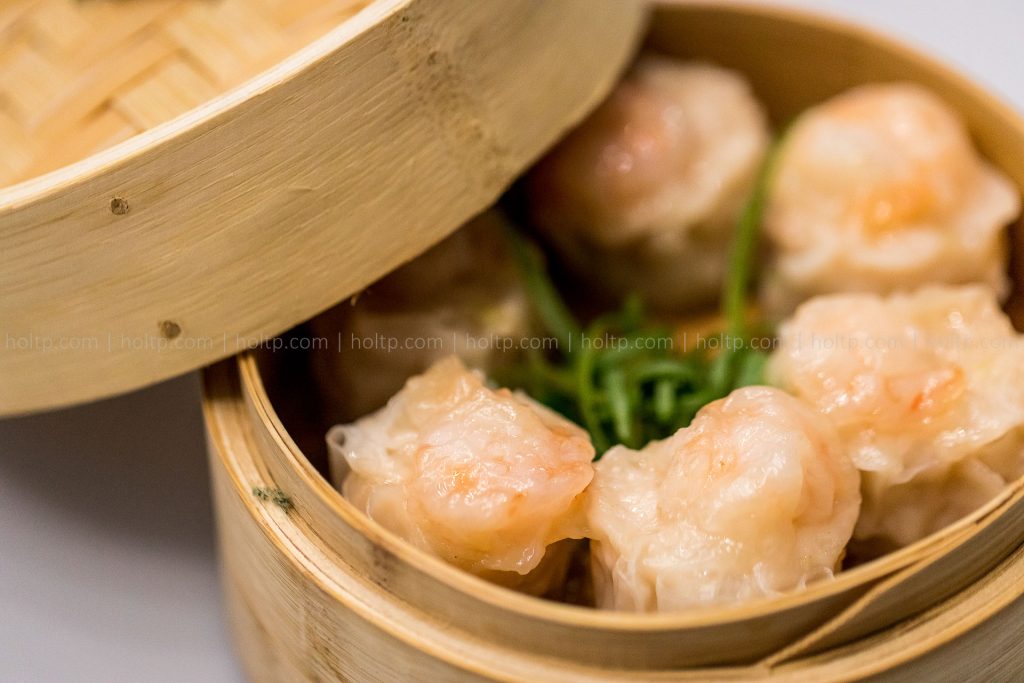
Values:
[(485, 479), (927, 393), (755, 497), (464, 296), (880, 189), (654, 178)]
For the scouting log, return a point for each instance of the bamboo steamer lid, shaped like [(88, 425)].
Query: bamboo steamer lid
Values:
[(235, 203)]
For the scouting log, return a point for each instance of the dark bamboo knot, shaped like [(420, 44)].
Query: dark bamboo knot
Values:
[(118, 206)]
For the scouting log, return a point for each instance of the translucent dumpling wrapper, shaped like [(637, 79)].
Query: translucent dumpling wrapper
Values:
[(927, 393), (464, 296), (755, 497), (656, 177), (486, 479), (878, 190)]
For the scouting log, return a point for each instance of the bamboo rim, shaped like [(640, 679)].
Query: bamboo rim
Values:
[(878, 653), (572, 615)]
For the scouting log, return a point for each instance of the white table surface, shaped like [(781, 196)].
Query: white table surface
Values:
[(108, 568)]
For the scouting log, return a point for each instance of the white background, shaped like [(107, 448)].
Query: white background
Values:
[(107, 560)]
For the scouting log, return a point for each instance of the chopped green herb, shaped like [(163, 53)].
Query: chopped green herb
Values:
[(548, 305), (664, 401), (621, 377)]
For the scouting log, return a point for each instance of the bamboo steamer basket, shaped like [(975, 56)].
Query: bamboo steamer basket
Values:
[(316, 591), (182, 179)]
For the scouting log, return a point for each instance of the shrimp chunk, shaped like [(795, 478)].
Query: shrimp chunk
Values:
[(755, 497), (880, 189), (655, 177), (927, 393), (485, 479)]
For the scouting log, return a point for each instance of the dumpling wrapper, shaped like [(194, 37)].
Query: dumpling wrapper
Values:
[(463, 296), (880, 190), (927, 393), (754, 498), (644, 195), (484, 478)]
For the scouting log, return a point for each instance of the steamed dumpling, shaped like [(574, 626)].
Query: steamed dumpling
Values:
[(879, 190), (756, 496), (463, 296), (485, 479), (927, 393), (644, 195)]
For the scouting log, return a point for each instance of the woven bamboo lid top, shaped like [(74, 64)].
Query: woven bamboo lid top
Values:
[(213, 173), (77, 77)]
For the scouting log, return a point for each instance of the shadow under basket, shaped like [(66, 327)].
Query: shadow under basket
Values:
[(316, 591)]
